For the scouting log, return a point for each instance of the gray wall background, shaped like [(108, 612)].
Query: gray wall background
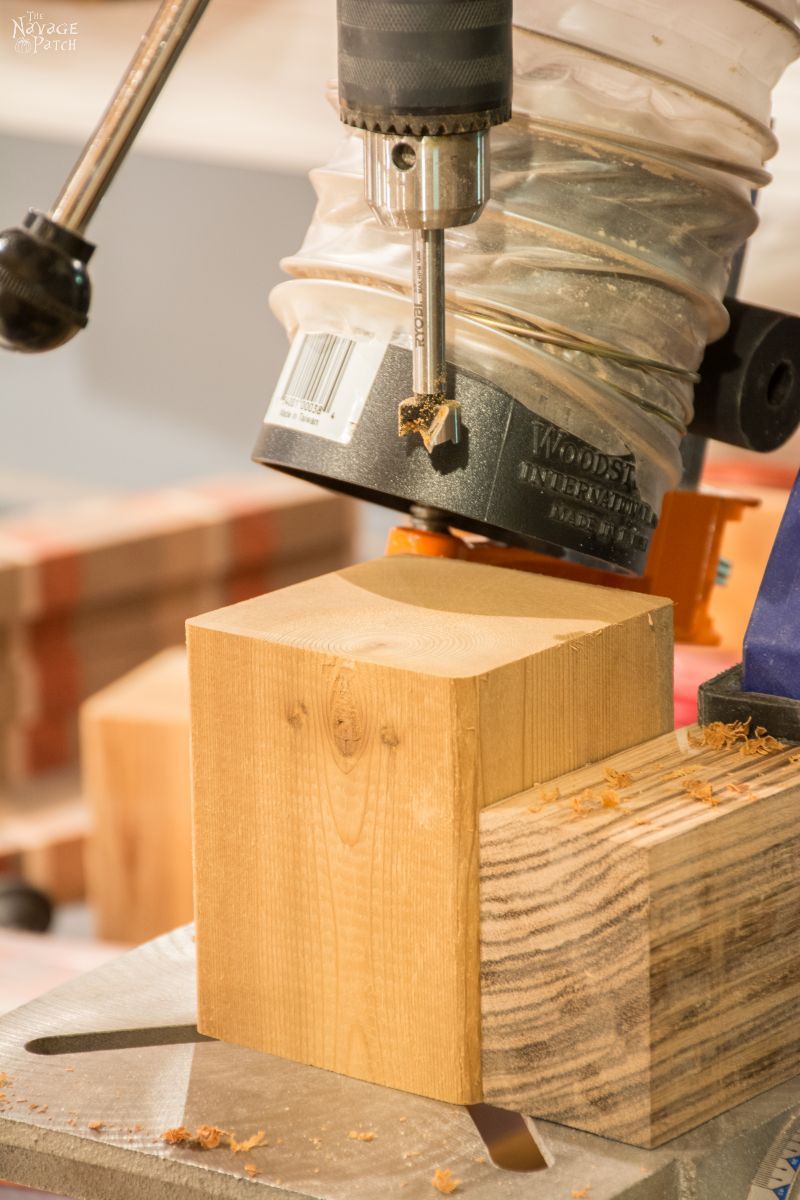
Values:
[(173, 374)]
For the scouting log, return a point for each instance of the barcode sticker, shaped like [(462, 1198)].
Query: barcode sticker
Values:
[(324, 385)]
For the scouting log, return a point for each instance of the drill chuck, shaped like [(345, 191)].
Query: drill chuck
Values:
[(429, 182), (424, 68)]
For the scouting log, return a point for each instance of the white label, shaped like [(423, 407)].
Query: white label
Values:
[(324, 385)]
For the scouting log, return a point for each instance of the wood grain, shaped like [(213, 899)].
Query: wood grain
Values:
[(639, 969), (346, 733), (135, 773)]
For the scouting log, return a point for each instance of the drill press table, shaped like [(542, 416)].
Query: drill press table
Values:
[(118, 1046)]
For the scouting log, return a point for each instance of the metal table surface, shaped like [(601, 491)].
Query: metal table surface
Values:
[(116, 1047)]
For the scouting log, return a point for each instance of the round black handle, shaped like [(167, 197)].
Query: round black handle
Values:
[(44, 285)]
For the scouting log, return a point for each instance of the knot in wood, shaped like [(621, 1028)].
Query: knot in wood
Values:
[(297, 715), (346, 719)]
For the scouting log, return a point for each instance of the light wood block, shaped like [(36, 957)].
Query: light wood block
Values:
[(639, 963), (135, 771), (346, 733)]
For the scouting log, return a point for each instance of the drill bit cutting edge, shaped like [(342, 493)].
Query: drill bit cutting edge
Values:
[(426, 81)]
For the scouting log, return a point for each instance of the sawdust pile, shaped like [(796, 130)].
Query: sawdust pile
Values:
[(736, 734)]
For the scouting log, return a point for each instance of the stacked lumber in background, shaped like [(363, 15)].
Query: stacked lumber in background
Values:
[(135, 774), (92, 587)]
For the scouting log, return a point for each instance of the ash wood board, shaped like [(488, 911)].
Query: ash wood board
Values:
[(639, 966), (346, 733)]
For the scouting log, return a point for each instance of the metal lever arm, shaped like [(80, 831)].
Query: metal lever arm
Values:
[(44, 285), (106, 149)]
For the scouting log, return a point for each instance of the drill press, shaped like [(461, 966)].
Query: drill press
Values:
[(425, 80), (426, 170)]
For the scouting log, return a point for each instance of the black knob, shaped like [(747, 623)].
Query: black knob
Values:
[(749, 389), (44, 285), (23, 907)]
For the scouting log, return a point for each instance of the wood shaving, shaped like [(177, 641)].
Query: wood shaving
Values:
[(700, 789), (580, 1193), (760, 745), (176, 1136), (96, 1126), (248, 1144), (719, 735), (618, 779), (208, 1137), (546, 797), (250, 1169), (610, 798), (584, 802), (741, 789), (678, 773), (362, 1135), (5, 1080), (444, 1181)]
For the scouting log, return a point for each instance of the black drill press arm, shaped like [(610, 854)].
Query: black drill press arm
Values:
[(44, 284)]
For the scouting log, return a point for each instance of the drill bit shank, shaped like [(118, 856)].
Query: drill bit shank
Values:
[(430, 368), (428, 412)]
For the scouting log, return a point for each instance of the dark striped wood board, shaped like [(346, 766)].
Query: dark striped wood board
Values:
[(640, 928)]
